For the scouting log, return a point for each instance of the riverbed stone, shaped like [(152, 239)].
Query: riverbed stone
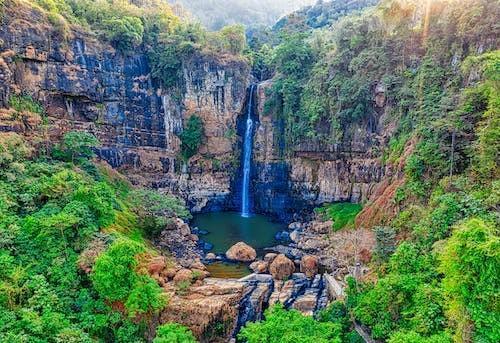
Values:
[(281, 267), (269, 257), (241, 252), (259, 267)]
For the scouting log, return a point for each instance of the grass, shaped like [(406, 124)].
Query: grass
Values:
[(342, 213)]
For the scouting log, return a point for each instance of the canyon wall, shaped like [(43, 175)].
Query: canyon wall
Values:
[(352, 171), (85, 84)]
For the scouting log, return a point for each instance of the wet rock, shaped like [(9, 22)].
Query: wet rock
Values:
[(289, 251), (295, 226), (252, 306), (259, 267), (241, 252), (205, 245), (282, 236), (309, 265), (281, 267), (210, 256)]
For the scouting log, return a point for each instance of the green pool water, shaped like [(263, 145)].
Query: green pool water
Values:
[(227, 228)]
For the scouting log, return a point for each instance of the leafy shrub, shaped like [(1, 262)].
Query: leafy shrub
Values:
[(115, 278), (470, 262), (281, 325), (156, 209), (76, 145), (125, 33), (173, 333), (25, 103), (385, 238), (191, 137)]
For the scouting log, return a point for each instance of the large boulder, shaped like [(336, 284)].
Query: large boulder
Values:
[(309, 265), (241, 252), (281, 267)]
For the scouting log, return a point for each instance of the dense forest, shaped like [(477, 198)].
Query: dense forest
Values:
[(75, 234), (436, 264)]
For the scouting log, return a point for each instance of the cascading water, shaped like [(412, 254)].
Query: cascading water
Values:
[(247, 158)]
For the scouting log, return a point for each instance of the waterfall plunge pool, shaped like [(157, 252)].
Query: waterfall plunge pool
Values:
[(227, 228)]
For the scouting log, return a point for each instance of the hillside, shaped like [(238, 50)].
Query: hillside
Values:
[(215, 14)]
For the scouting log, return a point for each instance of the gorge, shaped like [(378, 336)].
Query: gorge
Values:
[(333, 178)]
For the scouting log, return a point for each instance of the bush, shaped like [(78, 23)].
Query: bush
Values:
[(76, 145), (191, 137), (115, 278), (125, 33), (155, 209), (25, 103), (281, 325), (173, 333), (470, 262), (385, 238)]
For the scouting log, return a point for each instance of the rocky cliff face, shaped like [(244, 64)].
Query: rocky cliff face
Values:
[(312, 174), (87, 85)]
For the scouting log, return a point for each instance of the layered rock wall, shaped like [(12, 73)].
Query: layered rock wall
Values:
[(312, 173), (85, 84)]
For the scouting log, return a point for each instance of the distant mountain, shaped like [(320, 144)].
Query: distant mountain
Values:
[(215, 14), (323, 13)]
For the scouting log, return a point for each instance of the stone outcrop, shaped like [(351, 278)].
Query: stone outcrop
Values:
[(241, 252), (281, 267), (177, 239), (210, 310)]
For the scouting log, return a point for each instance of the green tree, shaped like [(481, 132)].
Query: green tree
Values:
[(76, 145), (470, 262), (191, 137), (173, 333), (281, 326), (125, 33), (233, 38)]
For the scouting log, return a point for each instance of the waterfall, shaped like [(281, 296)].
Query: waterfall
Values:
[(166, 119), (247, 157)]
